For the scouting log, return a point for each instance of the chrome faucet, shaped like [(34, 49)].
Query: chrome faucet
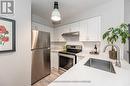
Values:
[(118, 63)]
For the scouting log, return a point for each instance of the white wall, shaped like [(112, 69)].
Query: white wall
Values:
[(15, 67)]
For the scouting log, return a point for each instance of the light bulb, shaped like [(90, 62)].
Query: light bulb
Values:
[(55, 15)]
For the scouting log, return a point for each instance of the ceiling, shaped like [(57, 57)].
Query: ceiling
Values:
[(68, 8)]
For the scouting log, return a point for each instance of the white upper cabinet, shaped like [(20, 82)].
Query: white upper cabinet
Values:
[(90, 29), (83, 31), (74, 27), (94, 29)]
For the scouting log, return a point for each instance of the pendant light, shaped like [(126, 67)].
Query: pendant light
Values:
[(56, 16)]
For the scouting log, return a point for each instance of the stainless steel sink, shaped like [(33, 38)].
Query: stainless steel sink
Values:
[(100, 64)]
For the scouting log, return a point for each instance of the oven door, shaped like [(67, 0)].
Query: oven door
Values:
[(66, 61)]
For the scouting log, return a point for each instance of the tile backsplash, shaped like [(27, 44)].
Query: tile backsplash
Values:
[(57, 45), (87, 46)]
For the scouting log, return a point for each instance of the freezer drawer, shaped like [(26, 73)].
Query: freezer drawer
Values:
[(40, 64)]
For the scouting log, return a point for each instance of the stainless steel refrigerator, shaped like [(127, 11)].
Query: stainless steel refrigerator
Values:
[(40, 55)]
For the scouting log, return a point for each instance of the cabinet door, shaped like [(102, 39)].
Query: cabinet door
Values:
[(93, 29), (54, 60), (74, 27), (83, 30), (79, 58)]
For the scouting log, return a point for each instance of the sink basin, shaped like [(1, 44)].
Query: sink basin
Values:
[(100, 64)]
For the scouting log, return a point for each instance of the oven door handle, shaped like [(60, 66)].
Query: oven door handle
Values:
[(69, 56)]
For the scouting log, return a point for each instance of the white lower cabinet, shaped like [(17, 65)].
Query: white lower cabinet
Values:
[(54, 60), (79, 58)]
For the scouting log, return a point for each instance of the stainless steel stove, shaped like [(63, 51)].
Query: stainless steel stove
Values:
[(68, 58)]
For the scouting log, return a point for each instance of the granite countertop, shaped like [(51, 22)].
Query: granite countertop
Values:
[(80, 75)]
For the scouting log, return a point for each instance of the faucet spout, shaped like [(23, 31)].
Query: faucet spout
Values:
[(106, 47), (118, 63)]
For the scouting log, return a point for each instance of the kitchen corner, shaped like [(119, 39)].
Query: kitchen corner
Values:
[(80, 75), (77, 39)]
